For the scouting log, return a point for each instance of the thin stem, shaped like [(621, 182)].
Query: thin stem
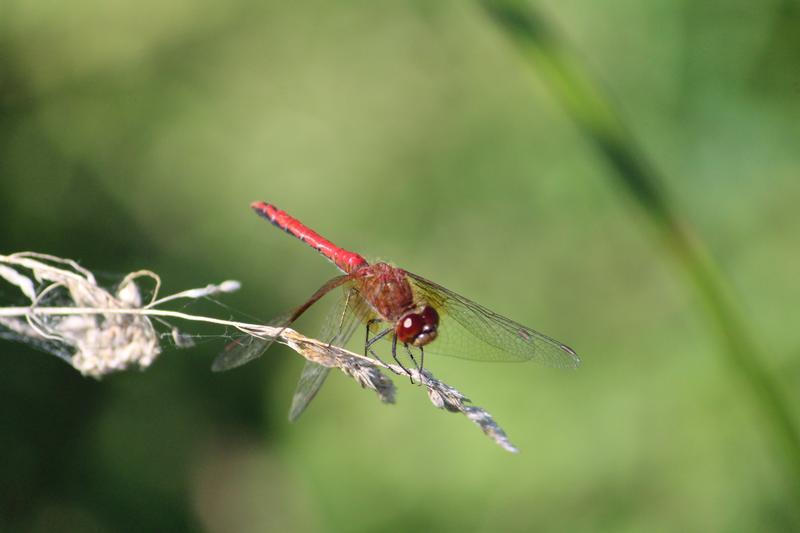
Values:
[(64, 311)]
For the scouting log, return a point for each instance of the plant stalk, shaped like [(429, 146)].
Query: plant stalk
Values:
[(597, 120)]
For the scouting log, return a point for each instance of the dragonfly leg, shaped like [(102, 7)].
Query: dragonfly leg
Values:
[(418, 365), (368, 351), (367, 344), (373, 340), (394, 355)]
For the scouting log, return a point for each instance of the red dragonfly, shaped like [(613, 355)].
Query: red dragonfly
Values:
[(402, 307)]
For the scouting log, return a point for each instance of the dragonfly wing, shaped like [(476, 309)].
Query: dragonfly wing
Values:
[(342, 321), (245, 349), (349, 312), (242, 351), (470, 331), (311, 381)]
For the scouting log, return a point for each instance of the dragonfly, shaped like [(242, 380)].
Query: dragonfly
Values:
[(398, 306)]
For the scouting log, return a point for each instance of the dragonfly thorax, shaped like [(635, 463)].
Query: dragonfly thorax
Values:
[(418, 327), (386, 289)]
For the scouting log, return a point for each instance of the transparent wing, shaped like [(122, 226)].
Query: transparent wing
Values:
[(344, 318), (347, 314), (308, 386), (470, 331), (244, 350)]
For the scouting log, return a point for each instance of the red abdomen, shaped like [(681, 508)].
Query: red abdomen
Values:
[(346, 261)]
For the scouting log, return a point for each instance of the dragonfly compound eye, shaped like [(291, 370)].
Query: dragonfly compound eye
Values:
[(418, 328)]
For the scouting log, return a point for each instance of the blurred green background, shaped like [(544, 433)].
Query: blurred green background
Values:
[(134, 135)]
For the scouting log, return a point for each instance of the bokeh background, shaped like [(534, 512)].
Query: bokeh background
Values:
[(134, 135)]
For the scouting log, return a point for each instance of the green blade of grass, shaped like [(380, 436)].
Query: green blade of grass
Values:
[(597, 120)]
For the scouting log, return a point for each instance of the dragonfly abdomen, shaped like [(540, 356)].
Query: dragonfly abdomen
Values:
[(345, 260)]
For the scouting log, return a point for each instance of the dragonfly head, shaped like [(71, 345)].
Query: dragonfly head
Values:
[(418, 327)]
